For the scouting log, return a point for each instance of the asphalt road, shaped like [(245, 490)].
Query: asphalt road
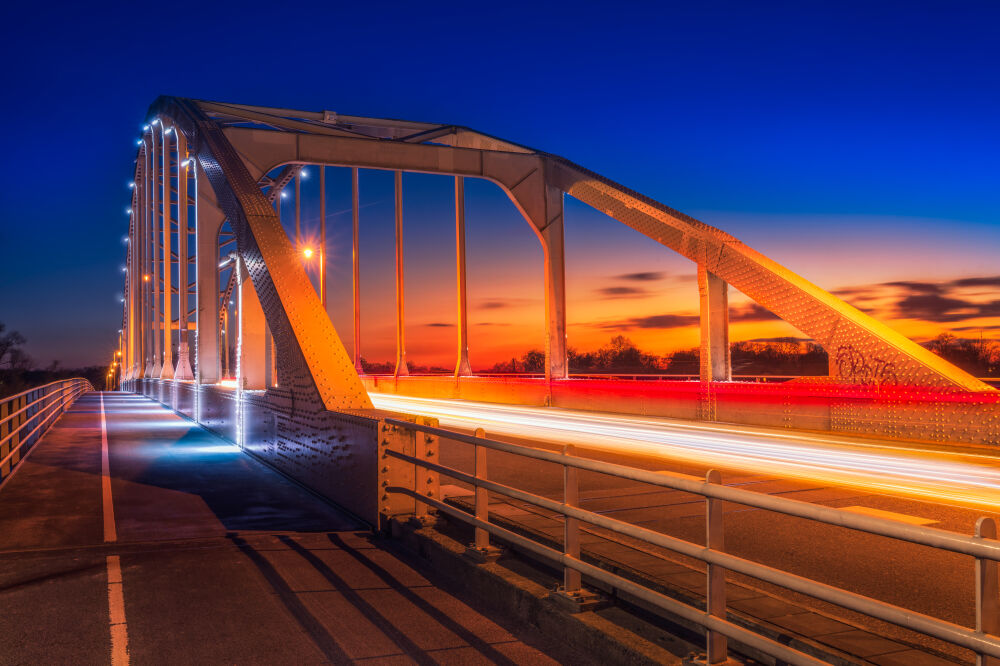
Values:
[(933, 485), (175, 547)]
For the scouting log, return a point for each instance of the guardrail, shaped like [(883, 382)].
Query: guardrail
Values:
[(26, 416), (983, 546)]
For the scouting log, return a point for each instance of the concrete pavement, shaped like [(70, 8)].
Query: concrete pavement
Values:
[(153, 541)]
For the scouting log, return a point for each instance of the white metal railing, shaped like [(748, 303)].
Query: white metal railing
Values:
[(983, 546), (25, 416)]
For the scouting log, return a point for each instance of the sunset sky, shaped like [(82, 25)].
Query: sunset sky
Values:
[(855, 144)]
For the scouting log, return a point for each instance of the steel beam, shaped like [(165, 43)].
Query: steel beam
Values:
[(401, 368), (462, 366)]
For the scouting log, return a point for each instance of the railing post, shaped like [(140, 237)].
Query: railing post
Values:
[(394, 472), (571, 526), (987, 591), (571, 595), (482, 495), (715, 597), (481, 550), (425, 482)]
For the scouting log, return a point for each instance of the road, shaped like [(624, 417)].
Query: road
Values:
[(967, 477), (946, 488)]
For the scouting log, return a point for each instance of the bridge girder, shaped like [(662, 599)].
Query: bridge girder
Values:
[(236, 146)]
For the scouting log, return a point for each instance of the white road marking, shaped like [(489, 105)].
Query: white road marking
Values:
[(116, 596)]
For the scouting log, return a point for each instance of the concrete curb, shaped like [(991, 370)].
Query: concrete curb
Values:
[(514, 595)]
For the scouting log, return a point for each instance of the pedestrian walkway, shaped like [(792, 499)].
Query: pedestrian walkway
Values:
[(132, 535)]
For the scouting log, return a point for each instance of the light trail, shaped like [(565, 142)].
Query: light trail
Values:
[(895, 469)]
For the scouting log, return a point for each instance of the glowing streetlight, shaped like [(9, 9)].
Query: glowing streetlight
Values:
[(307, 253), (145, 278)]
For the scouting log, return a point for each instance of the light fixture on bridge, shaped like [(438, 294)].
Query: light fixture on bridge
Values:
[(307, 252), (186, 162), (303, 174), (145, 278), (284, 194), (145, 128), (156, 121), (124, 269), (131, 185), (128, 211), (138, 142)]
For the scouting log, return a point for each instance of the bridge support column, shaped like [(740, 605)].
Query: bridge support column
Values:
[(183, 334), (554, 245), (252, 332), (210, 220), (714, 358), (401, 369), (167, 371), (462, 366)]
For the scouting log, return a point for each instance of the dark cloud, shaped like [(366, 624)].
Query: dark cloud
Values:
[(751, 312), (491, 323), (622, 292), (978, 282), (494, 304), (917, 287), (439, 324), (937, 308), (648, 276), (657, 321)]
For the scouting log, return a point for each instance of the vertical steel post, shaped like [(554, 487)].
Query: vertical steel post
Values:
[(167, 371), (155, 260), (183, 261), (298, 210), (482, 538), (356, 268), (401, 369), (462, 364), (322, 236), (987, 591), (572, 580), (716, 580), (713, 297)]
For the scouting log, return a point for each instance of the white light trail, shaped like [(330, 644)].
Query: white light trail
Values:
[(891, 468)]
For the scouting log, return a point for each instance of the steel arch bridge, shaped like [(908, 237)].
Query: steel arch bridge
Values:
[(201, 164)]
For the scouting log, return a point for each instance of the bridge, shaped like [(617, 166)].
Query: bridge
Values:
[(848, 518)]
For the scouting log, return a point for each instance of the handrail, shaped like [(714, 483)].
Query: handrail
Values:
[(984, 547), (919, 534), (55, 397)]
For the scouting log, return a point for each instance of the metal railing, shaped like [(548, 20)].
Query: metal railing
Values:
[(983, 547), (26, 416)]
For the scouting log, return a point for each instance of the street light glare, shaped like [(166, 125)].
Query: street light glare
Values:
[(304, 174), (284, 194), (307, 253)]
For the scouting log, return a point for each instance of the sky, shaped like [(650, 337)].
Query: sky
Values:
[(853, 142)]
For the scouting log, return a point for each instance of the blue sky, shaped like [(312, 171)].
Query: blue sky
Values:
[(855, 140)]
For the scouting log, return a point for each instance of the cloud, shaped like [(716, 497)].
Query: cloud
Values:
[(439, 324), (917, 287), (622, 292), (494, 304), (993, 281), (492, 323), (751, 312), (653, 321), (647, 276)]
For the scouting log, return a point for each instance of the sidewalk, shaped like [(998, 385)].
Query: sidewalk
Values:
[(175, 547)]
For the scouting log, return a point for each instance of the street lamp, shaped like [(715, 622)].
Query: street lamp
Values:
[(308, 253)]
